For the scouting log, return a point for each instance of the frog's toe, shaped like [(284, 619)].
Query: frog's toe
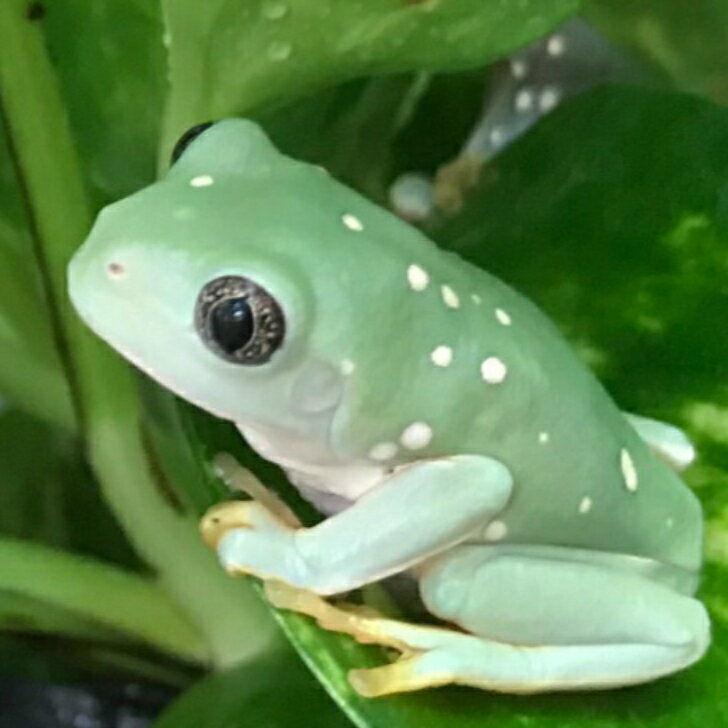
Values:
[(454, 179), (359, 622), (230, 515), (303, 601), (405, 675)]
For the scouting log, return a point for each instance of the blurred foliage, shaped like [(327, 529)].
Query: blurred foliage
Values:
[(685, 40), (242, 696), (612, 214)]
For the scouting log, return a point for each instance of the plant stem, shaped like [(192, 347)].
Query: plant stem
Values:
[(232, 619), (99, 595)]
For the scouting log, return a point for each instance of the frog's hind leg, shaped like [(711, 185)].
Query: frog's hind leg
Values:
[(421, 647), (667, 441), (534, 624), (540, 622)]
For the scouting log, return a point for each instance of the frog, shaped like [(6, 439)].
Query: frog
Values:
[(438, 420), (523, 88)]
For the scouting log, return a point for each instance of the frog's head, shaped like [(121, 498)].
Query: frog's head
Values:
[(234, 280)]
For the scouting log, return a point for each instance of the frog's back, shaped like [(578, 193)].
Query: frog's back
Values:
[(486, 372), (443, 358)]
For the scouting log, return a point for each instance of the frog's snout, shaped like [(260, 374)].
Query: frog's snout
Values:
[(219, 520)]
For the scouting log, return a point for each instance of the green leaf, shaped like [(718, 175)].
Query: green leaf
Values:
[(612, 215), (686, 41), (30, 370), (48, 494), (378, 123), (113, 75), (230, 57), (104, 390), (83, 597), (276, 692)]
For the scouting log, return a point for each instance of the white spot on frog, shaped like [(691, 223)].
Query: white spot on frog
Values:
[(451, 299), (347, 367), (524, 100), (543, 437), (493, 370), (418, 278), (585, 505), (476, 299), (202, 180), (549, 97), (383, 451), (416, 436), (495, 531), (441, 356), (503, 317), (352, 222), (496, 137), (629, 473), (519, 68), (556, 45)]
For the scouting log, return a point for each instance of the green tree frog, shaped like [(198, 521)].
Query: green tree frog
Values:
[(522, 89), (432, 413)]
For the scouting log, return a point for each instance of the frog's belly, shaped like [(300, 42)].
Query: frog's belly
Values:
[(326, 482)]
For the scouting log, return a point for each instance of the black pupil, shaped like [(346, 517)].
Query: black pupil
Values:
[(232, 324)]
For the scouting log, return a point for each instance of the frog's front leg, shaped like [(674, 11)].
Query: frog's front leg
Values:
[(418, 511)]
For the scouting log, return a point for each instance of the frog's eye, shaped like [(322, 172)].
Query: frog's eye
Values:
[(187, 138), (238, 320)]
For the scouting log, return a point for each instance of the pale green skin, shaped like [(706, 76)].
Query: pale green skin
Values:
[(596, 564)]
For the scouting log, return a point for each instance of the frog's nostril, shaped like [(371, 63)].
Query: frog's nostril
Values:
[(115, 269)]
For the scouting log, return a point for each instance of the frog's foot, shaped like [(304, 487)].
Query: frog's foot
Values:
[(421, 663), (343, 617), (240, 479), (454, 179), (248, 515)]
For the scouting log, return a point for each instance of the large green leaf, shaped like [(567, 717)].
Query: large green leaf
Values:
[(46, 590), (110, 61), (59, 208), (684, 39), (276, 692), (379, 124), (611, 214), (48, 494), (627, 182), (30, 370), (232, 57)]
